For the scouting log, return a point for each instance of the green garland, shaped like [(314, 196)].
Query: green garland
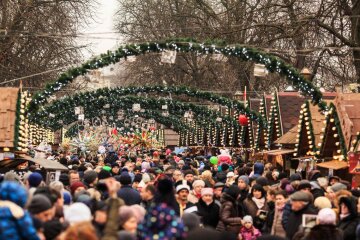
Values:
[(170, 122), (81, 97), (17, 121), (94, 107), (272, 63), (339, 131)]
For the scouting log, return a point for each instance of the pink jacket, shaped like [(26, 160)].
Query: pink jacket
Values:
[(249, 234)]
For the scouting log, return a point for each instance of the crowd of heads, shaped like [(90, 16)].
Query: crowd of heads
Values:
[(163, 195)]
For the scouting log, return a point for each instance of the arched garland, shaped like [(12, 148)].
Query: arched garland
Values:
[(272, 63), (123, 91), (59, 111), (172, 122)]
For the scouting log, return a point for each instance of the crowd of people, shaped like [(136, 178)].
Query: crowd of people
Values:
[(163, 195)]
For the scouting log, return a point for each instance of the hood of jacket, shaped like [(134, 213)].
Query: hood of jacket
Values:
[(13, 192), (258, 168), (227, 198)]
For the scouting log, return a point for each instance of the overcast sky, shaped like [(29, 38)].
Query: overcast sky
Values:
[(104, 23)]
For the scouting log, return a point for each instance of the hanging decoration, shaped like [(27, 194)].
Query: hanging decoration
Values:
[(243, 120)]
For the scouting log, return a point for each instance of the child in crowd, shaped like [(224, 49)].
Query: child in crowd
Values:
[(248, 231)]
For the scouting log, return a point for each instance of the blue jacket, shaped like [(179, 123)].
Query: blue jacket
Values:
[(129, 195), (15, 222)]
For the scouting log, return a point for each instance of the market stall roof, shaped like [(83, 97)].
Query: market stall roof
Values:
[(279, 152), (45, 163), (347, 105), (289, 137), (8, 100), (333, 164)]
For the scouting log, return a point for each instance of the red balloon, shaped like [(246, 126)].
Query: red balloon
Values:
[(243, 120), (114, 131)]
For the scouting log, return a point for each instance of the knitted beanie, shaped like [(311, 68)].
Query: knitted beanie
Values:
[(39, 203)]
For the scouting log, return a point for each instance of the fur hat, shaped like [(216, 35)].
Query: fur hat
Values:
[(77, 212), (198, 183), (338, 186), (301, 196), (304, 184)]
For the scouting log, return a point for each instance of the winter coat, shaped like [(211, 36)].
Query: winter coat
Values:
[(230, 219), (209, 213), (277, 228), (112, 223), (319, 232), (15, 222), (161, 222), (129, 195), (348, 224), (295, 220), (251, 209), (249, 234)]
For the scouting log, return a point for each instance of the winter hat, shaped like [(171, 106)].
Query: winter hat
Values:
[(125, 213), (198, 183), (35, 179), (207, 191), (191, 220), (230, 174), (322, 202), (90, 176), (181, 162), (64, 178), (258, 169), (326, 216), (67, 197), (262, 181), (233, 191), (77, 212), (245, 179), (13, 192), (125, 179), (75, 186), (301, 196), (103, 174), (52, 229), (304, 184), (145, 166), (218, 185), (182, 187), (107, 168), (248, 219), (39, 203), (337, 187), (187, 172), (295, 177)]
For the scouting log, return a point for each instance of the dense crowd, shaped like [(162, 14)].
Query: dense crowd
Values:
[(163, 195)]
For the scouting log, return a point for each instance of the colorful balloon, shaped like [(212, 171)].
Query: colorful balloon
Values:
[(214, 160), (243, 120)]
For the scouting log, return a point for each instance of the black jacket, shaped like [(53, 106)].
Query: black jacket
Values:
[(129, 195), (328, 232), (348, 224), (209, 213), (295, 220)]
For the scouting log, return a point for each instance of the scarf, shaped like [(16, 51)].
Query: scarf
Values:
[(259, 202), (342, 216), (281, 208)]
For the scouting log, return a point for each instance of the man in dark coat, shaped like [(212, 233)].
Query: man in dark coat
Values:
[(300, 204), (126, 192), (348, 217)]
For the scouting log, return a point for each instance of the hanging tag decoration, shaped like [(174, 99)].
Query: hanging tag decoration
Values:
[(168, 57), (260, 70)]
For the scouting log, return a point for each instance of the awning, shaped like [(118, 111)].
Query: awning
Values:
[(279, 152), (333, 164), (45, 163)]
